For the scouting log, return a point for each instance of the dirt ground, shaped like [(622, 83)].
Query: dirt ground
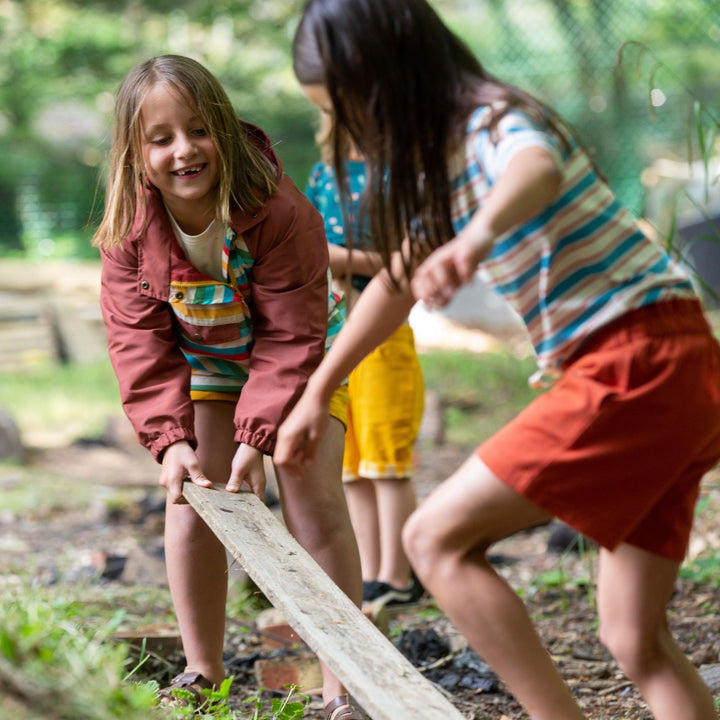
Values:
[(58, 544)]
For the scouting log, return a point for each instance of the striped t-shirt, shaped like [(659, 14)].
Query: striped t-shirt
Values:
[(582, 262)]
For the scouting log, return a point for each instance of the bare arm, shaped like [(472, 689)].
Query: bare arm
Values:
[(353, 262), (529, 184), (380, 310)]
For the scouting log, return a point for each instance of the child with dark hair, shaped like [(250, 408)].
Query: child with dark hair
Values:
[(216, 298), (468, 173), (386, 391)]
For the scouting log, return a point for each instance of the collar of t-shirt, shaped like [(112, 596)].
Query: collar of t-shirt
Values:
[(204, 251)]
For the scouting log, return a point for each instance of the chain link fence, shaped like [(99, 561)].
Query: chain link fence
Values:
[(563, 51), (566, 52)]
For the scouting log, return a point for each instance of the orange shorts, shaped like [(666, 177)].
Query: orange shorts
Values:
[(617, 448)]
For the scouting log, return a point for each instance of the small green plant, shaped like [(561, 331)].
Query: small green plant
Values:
[(216, 706), (561, 579), (703, 570), (245, 600), (292, 706)]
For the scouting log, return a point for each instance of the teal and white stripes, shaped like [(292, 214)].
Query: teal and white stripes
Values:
[(580, 263)]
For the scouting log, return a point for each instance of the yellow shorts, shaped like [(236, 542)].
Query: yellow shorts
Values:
[(338, 402), (386, 406)]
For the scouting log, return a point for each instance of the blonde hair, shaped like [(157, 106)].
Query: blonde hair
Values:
[(247, 176)]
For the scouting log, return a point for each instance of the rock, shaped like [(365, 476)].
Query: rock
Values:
[(161, 639), (11, 447), (563, 538), (119, 433), (301, 671), (432, 427), (145, 567)]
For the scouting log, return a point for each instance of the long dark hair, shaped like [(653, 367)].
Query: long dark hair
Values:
[(403, 86)]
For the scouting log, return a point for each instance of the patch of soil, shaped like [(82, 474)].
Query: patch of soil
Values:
[(557, 588)]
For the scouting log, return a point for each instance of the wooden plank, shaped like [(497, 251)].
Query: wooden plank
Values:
[(711, 675), (378, 676)]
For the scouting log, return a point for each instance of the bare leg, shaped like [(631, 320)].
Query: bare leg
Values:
[(362, 504), (196, 560), (446, 540), (316, 513), (634, 587), (395, 503)]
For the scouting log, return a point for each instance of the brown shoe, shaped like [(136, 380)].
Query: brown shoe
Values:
[(192, 683), (341, 709)]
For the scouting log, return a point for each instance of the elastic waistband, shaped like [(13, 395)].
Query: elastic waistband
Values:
[(668, 317)]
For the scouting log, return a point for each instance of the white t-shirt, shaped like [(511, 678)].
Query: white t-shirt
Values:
[(204, 251)]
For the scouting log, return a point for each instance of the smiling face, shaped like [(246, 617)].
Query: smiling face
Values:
[(180, 157)]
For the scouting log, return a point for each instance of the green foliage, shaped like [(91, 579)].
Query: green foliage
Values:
[(704, 570), (58, 661), (55, 665), (61, 61), (245, 600), (291, 706), (688, 199)]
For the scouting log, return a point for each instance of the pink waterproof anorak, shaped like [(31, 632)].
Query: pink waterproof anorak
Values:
[(289, 316)]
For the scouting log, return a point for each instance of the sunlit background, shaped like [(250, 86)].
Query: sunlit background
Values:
[(61, 61)]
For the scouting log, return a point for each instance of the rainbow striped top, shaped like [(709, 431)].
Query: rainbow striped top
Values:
[(215, 320), (580, 263)]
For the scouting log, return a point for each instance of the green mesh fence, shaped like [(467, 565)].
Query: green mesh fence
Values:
[(563, 51), (566, 52)]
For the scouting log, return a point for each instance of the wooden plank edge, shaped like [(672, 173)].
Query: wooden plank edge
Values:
[(402, 692)]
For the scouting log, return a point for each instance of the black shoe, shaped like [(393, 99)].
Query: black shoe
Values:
[(371, 590), (382, 593)]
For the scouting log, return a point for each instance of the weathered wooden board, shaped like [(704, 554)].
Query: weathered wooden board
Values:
[(711, 675), (380, 678)]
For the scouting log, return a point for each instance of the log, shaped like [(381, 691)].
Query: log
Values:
[(385, 684)]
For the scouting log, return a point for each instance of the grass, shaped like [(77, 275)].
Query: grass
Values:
[(26, 489), (58, 658), (479, 393), (53, 664), (58, 403)]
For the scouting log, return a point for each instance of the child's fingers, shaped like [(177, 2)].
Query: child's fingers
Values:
[(174, 489), (436, 286), (294, 453), (254, 483), (198, 478), (173, 486)]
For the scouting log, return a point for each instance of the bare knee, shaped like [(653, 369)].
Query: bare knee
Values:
[(414, 541), (635, 649), (183, 524), (431, 553)]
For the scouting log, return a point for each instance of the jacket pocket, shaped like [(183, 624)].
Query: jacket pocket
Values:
[(210, 313)]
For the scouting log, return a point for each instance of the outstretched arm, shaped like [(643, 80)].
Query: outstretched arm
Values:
[(380, 310), (527, 186), (344, 261)]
